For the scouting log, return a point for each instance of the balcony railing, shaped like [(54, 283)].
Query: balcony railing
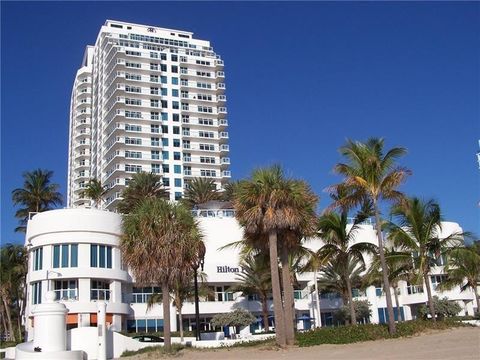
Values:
[(214, 213), (100, 294), (414, 289), (66, 294)]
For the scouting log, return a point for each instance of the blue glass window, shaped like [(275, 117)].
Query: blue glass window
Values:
[(56, 256), (177, 169), (166, 181), (109, 257), (164, 91), (178, 182), (101, 256), (164, 141), (164, 116), (163, 79), (93, 255), (175, 80), (175, 92), (178, 195), (165, 155), (74, 255)]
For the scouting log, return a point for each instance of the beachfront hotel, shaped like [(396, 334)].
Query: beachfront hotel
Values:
[(152, 99), (147, 99), (75, 253)]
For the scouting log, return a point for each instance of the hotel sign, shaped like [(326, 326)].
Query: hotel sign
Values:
[(223, 269)]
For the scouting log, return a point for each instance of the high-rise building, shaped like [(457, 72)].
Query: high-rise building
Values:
[(147, 99)]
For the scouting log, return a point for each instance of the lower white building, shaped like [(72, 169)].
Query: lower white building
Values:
[(75, 252)]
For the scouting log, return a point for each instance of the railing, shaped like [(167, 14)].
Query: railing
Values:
[(66, 294), (99, 294), (214, 213), (367, 221), (414, 289), (140, 298)]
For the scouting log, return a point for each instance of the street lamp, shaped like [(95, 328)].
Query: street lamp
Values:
[(200, 263)]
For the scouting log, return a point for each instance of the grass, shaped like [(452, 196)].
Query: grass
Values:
[(158, 350), (369, 332), (6, 344)]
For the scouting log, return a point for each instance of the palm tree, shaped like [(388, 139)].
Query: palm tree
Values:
[(340, 248), (161, 241), (370, 175), (38, 194), (399, 265), (142, 185), (94, 191), (268, 204), (332, 277), (463, 269), (255, 279), (13, 270), (200, 190), (418, 230)]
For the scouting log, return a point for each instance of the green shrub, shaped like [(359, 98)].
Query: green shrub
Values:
[(159, 350), (352, 334), (443, 308)]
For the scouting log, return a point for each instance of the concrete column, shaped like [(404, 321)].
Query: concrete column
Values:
[(50, 325), (116, 292), (84, 290), (102, 330)]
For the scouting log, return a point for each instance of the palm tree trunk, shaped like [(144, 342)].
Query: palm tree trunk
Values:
[(180, 320), (386, 283), (353, 317), (265, 312), (397, 304), (318, 322), (277, 296), (166, 316), (4, 323), (11, 334), (288, 303), (429, 296)]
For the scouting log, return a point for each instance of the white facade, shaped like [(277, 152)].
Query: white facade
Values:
[(83, 275), (147, 99)]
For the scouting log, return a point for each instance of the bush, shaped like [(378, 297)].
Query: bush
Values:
[(159, 350), (443, 308), (238, 317), (351, 334)]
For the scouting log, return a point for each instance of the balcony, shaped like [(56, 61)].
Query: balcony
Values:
[(225, 160), (222, 110), (66, 294), (222, 98), (220, 74), (221, 86), (222, 122), (219, 62), (226, 173), (224, 147), (223, 135)]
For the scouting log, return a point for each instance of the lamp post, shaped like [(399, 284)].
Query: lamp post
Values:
[(200, 263)]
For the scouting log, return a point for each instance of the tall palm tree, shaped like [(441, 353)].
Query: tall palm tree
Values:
[(371, 175), (269, 204), (94, 191), (418, 230), (255, 279), (399, 265), (200, 190), (142, 185), (340, 247), (161, 241), (38, 194), (463, 269)]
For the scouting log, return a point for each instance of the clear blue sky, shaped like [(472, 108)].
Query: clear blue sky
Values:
[(301, 78)]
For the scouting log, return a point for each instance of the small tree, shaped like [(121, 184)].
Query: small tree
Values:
[(362, 311), (238, 317), (443, 308)]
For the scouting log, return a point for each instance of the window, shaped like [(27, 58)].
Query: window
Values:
[(65, 289), (154, 103), (165, 168), (155, 168), (101, 256), (164, 116), (207, 160), (176, 142), (174, 80), (164, 104), (176, 155), (145, 325), (36, 293), (155, 141), (155, 154), (166, 181), (38, 259), (165, 155), (174, 57), (154, 78), (133, 89), (174, 69), (164, 142), (155, 129), (141, 295), (100, 290), (178, 182), (176, 130), (176, 117), (154, 115), (437, 280), (208, 173), (154, 91), (177, 169), (163, 56), (163, 79), (163, 67), (164, 129), (133, 101), (202, 121), (175, 105), (133, 154), (133, 141), (207, 147), (222, 293), (164, 91), (175, 92), (178, 195), (65, 255)]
